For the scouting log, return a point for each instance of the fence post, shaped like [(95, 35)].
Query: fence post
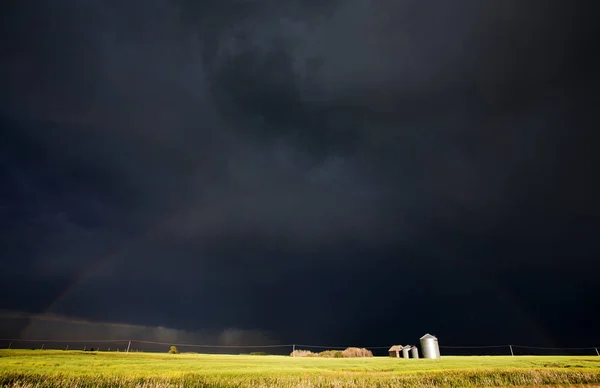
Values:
[(294, 350), (84, 347), (67, 347), (10, 344), (42, 347), (511, 351), (128, 345), (597, 351)]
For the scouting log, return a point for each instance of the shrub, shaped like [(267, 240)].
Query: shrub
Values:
[(303, 353), (357, 352), (332, 354), (173, 350), (258, 353), (348, 353)]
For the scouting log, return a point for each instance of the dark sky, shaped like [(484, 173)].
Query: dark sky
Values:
[(332, 172)]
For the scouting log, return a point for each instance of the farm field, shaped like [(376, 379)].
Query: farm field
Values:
[(51, 368)]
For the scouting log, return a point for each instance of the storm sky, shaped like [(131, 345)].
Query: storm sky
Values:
[(333, 172)]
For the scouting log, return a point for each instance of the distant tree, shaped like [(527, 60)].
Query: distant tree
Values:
[(173, 350), (357, 352), (332, 354), (303, 353)]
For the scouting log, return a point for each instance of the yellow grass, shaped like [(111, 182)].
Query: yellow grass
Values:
[(45, 368)]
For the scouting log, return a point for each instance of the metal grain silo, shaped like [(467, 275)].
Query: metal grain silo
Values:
[(414, 352), (405, 350), (395, 351), (430, 347)]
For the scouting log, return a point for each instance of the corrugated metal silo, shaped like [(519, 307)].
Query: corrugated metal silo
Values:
[(414, 352), (430, 347), (405, 350)]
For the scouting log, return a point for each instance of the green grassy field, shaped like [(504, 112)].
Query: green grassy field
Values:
[(45, 368)]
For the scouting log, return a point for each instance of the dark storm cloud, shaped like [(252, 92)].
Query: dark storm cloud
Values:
[(228, 149), (65, 329)]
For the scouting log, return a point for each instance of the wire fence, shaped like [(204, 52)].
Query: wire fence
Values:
[(130, 346), (517, 350), (142, 346)]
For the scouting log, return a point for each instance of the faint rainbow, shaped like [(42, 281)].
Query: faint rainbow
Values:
[(88, 272)]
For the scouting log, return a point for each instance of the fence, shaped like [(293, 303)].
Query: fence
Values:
[(516, 350), (142, 346), (279, 349)]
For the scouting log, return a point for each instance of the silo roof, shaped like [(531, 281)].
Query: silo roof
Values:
[(395, 348), (428, 336)]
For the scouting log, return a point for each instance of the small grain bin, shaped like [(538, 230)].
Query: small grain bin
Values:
[(414, 352), (395, 351), (405, 350), (430, 347)]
